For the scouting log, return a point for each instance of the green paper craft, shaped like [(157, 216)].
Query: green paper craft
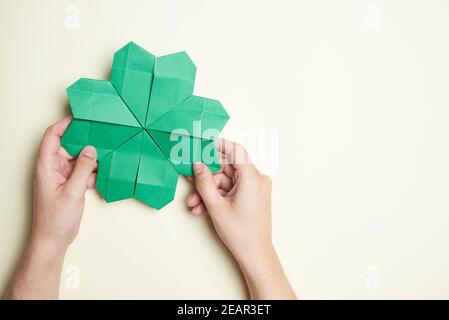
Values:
[(146, 125)]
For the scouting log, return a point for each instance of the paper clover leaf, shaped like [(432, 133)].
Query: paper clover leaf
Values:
[(146, 125)]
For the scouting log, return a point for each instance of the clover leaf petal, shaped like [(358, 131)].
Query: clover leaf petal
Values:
[(146, 125)]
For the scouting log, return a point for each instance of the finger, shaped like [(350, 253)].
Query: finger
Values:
[(221, 179), (228, 170), (235, 155), (67, 171), (63, 153), (52, 137), (223, 182), (84, 166), (92, 180), (194, 199), (200, 209), (206, 187)]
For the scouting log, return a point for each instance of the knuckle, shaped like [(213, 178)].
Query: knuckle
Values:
[(50, 129)]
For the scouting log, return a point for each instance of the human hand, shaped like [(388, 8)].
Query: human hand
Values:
[(238, 200), (60, 184)]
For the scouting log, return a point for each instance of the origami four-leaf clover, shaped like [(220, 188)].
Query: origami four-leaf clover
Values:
[(146, 125)]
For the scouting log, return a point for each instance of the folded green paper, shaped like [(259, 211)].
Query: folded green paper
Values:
[(146, 125)]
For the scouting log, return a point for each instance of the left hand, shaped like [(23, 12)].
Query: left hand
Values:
[(60, 183)]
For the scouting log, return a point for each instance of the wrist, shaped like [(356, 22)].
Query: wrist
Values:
[(257, 260), (38, 274), (46, 248), (265, 276)]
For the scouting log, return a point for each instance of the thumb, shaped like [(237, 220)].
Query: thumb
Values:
[(206, 187), (84, 166)]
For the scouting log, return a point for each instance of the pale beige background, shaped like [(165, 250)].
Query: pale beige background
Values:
[(358, 92)]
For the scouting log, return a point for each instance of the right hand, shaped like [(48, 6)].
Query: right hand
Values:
[(238, 200)]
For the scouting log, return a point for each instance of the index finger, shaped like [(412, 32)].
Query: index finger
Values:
[(235, 155), (52, 138)]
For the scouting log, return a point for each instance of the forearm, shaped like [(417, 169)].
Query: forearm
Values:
[(38, 274), (265, 276)]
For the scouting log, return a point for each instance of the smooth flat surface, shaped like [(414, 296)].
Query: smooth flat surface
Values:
[(352, 99)]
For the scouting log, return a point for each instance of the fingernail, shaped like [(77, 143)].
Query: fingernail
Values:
[(90, 152), (197, 168)]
